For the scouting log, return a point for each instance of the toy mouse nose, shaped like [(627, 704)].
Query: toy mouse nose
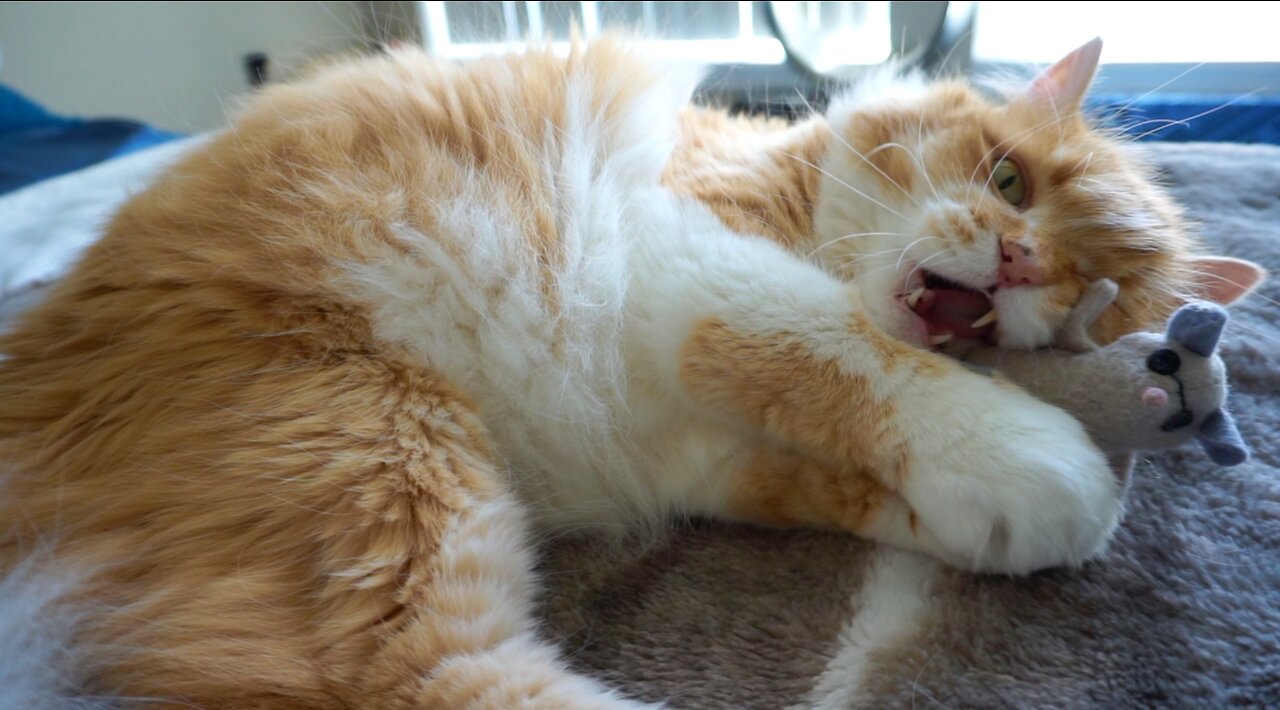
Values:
[(1154, 397)]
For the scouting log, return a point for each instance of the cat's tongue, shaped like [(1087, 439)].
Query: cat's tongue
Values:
[(954, 311)]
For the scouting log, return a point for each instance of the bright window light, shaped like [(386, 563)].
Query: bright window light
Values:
[(702, 32), (1134, 32)]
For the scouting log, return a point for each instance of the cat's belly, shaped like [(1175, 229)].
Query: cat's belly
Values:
[(538, 350), (679, 467)]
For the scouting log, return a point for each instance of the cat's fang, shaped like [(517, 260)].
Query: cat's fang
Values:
[(939, 339), (988, 319), (914, 297)]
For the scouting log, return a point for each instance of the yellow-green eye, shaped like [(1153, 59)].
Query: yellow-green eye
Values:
[(1008, 180)]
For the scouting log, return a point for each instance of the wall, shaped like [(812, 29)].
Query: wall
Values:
[(177, 65)]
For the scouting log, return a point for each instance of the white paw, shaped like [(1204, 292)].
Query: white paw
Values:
[(1018, 487)]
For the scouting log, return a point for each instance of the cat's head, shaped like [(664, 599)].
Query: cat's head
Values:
[(946, 206)]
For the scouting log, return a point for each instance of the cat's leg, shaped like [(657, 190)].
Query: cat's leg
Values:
[(474, 628), (327, 535), (999, 479), (774, 485), (457, 630)]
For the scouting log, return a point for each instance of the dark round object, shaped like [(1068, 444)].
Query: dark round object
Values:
[(1177, 421), (1164, 362)]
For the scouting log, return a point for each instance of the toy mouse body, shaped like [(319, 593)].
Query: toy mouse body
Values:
[(1145, 391)]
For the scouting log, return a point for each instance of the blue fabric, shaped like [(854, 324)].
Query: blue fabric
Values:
[(17, 112), (1183, 118), (36, 144)]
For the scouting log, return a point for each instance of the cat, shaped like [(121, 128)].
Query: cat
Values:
[(287, 434)]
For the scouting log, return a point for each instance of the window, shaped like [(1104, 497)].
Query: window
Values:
[(1219, 48), (734, 40), (705, 32), (1135, 33)]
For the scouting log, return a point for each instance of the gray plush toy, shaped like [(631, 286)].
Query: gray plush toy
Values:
[(1145, 391)]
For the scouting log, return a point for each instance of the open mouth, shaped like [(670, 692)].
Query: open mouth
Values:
[(950, 309)]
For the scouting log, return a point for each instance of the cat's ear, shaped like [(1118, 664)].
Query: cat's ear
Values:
[(1224, 280), (1064, 84)]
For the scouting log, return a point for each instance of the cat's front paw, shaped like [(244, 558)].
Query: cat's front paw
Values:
[(1023, 489)]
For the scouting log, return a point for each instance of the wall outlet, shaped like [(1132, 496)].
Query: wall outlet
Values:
[(255, 64)]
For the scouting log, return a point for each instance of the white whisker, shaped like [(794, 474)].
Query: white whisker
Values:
[(907, 248), (919, 165), (828, 243), (875, 167), (920, 264), (1088, 161), (858, 258), (1240, 286), (1130, 104), (1167, 122), (920, 144), (1019, 137), (855, 190)]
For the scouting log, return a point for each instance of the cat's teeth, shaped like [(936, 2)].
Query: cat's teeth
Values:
[(989, 318), (939, 339), (914, 297)]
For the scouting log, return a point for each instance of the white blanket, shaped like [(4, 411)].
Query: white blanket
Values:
[(44, 226)]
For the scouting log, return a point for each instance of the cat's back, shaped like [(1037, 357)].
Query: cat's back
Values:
[(437, 230), (328, 168), (332, 204)]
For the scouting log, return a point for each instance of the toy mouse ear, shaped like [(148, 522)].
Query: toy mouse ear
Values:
[(1197, 327), (1074, 334), (1221, 440)]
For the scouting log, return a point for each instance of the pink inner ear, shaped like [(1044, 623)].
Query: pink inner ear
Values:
[(1225, 280), (1064, 84)]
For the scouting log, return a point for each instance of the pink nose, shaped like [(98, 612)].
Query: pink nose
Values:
[(1155, 397), (1019, 264)]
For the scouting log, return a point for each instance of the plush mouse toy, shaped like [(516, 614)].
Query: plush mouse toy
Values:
[(1145, 391)]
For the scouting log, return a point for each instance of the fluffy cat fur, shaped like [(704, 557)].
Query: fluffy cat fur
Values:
[(293, 423)]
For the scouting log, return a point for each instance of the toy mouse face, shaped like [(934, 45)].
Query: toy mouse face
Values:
[(1175, 387), (1143, 392), (1181, 385)]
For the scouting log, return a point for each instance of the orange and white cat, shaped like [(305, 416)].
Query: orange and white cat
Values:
[(286, 435)]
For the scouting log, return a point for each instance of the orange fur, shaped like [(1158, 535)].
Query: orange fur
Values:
[(757, 175), (262, 486), (761, 177), (277, 504), (786, 488), (779, 386), (1083, 181)]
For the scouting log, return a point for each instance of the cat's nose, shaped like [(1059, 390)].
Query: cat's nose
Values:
[(1020, 265)]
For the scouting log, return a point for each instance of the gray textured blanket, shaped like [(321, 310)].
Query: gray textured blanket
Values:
[(1183, 611)]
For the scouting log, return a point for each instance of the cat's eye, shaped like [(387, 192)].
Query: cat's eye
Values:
[(1009, 182)]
